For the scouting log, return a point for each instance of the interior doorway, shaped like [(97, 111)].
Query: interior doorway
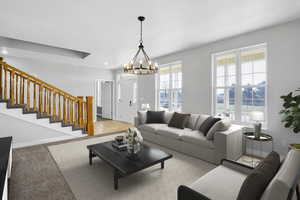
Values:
[(104, 99), (126, 98)]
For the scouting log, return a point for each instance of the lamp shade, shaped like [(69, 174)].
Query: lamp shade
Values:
[(257, 116), (145, 106)]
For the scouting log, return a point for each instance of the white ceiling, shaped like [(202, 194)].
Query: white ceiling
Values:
[(109, 29)]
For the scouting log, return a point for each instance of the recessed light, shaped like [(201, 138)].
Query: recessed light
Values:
[(105, 63), (4, 52)]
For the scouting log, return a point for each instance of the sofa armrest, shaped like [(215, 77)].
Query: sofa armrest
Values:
[(237, 166), (229, 144), (186, 193), (136, 121)]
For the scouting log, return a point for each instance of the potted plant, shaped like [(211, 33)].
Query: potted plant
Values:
[(291, 113)]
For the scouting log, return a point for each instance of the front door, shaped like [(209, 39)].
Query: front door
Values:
[(127, 99)]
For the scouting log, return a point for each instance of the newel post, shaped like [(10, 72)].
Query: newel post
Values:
[(90, 120), (1, 89)]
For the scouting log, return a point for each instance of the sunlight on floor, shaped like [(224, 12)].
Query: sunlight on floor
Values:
[(107, 127)]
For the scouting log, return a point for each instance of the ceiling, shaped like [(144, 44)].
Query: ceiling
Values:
[(109, 29)]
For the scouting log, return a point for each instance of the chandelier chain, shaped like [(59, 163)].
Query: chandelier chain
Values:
[(141, 34)]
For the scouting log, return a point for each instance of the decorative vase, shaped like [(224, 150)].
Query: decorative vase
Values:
[(133, 140)]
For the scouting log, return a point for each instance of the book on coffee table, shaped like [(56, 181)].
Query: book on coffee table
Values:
[(120, 146)]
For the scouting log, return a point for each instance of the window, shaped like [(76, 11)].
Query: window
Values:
[(169, 87), (240, 83)]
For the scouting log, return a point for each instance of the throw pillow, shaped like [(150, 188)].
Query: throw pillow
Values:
[(168, 116), (179, 120), (200, 121), (155, 117), (222, 125), (192, 121), (207, 124), (256, 182), (142, 115)]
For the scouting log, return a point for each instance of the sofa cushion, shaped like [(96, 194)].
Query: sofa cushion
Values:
[(171, 132), (222, 125), (152, 127), (142, 115), (208, 124), (256, 183), (168, 116), (200, 120), (196, 137), (192, 121), (221, 183), (287, 175), (155, 117), (179, 120)]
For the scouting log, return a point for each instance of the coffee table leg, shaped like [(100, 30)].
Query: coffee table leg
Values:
[(91, 157), (116, 179), (162, 165)]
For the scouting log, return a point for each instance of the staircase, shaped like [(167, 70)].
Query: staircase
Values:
[(20, 90)]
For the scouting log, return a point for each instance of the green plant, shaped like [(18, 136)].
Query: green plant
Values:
[(291, 111)]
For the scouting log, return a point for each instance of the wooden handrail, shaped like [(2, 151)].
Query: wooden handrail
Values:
[(21, 88), (37, 80)]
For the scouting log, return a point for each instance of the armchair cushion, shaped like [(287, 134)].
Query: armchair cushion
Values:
[(256, 183), (285, 179), (216, 185)]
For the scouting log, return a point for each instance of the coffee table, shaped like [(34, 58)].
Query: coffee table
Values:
[(124, 166)]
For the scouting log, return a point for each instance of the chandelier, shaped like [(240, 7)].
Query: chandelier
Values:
[(141, 63)]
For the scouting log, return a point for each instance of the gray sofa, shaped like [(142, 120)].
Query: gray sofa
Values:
[(219, 145), (224, 182)]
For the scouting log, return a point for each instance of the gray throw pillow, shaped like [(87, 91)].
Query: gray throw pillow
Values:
[(200, 121), (155, 117), (179, 120), (255, 184), (207, 124)]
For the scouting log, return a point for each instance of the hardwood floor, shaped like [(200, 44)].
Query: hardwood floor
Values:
[(107, 127)]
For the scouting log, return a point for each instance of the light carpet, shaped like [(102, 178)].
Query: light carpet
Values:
[(96, 182)]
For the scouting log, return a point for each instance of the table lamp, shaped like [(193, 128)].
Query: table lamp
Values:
[(257, 117), (145, 106)]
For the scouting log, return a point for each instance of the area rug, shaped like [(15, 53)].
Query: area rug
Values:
[(35, 176), (96, 182)]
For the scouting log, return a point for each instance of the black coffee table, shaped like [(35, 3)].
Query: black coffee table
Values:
[(124, 166)]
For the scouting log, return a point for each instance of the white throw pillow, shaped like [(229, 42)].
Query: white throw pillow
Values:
[(168, 116), (192, 121), (222, 125), (142, 115)]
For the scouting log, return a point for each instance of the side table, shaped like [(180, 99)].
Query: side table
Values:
[(264, 138)]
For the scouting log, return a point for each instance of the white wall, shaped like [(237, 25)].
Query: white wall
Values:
[(77, 80), (283, 43)]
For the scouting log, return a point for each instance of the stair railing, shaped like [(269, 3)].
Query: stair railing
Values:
[(21, 89)]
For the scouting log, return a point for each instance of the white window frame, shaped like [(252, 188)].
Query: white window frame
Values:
[(238, 87), (157, 77)]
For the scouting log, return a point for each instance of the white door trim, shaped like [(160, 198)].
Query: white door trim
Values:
[(113, 97)]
